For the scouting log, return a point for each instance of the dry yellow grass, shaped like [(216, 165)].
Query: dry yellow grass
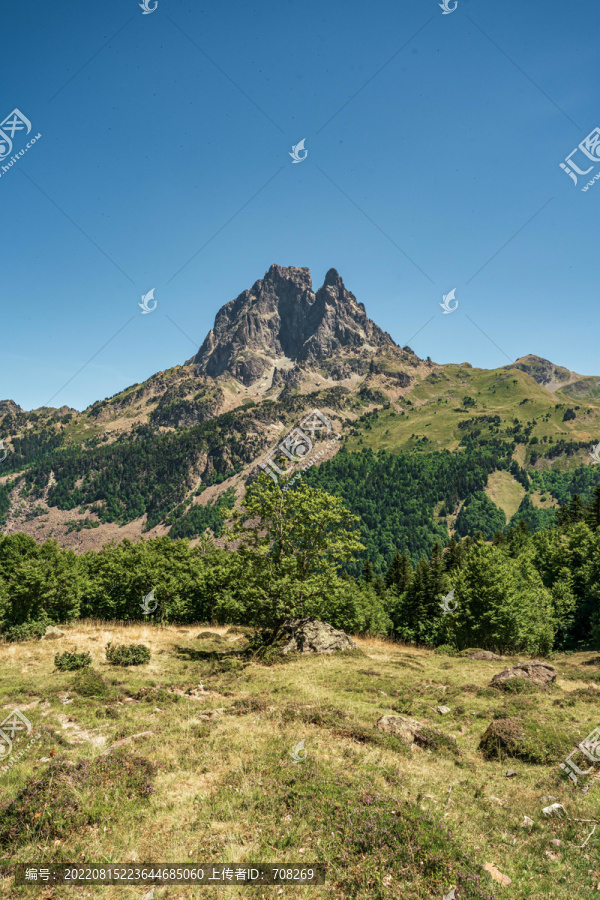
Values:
[(220, 787)]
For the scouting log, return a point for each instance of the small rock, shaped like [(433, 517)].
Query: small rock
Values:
[(52, 633), (66, 700), (510, 773), (481, 654), (556, 810), (527, 822), (149, 895), (555, 842), (211, 713), (497, 874), (443, 709), (548, 799), (551, 854), (451, 894), (124, 741), (44, 759)]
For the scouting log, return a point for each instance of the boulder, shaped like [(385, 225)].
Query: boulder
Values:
[(52, 633), (405, 729), (311, 636), (412, 732), (481, 654), (533, 671)]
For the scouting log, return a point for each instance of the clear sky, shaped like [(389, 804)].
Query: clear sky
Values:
[(434, 143)]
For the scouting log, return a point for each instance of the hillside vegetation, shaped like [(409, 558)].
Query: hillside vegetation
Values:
[(206, 773)]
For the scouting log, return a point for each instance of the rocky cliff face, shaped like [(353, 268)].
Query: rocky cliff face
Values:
[(280, 322)]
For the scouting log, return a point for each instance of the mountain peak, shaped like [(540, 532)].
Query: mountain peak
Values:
[(280, 318)]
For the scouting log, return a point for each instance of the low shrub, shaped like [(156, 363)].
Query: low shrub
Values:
[(446, 650), (71, 660), (127, 654), (27, 631), (68, 797), (88, 683)]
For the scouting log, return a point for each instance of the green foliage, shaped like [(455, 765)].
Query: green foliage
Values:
[(127, 654), (199, 518), (42, 583), (69, 661), (502, 603), (88, 683), (291, 545), (27, 631), (479, 513), (395, 496)]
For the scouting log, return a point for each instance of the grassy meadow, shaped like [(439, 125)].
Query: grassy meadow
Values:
[(211, 777)]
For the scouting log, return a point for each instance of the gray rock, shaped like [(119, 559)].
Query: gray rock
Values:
[(311, 636), (510, 773), (557, 810), (481, 654), (442, 710), (281, 316), (52, 633), (405, 729), (527, 822), (537, 672)]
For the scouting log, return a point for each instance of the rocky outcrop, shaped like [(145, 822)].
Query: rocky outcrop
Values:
[(281, 317), (311, 636), (52, 633), (411, 732), (533, 671), (404, 728), (480, 654), (9, 407), (542, 370)]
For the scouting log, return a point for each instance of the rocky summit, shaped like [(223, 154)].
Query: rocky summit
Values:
[(280, 322)]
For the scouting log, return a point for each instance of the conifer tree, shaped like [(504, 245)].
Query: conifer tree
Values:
[(399, 573)]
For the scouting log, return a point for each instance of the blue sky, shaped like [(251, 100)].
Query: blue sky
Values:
[(434, 144)]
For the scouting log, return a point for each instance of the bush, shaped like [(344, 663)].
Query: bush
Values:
[(127, 654), (446, 650), (27, 631), (91, 684), (69, 661)]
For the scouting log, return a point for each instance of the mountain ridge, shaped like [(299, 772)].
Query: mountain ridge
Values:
[(158, 453)]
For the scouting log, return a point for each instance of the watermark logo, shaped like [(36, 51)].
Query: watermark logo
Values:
[(13, 126), (297, 445), (148, 9), (447, 9), (590, 747), (446, 601), (298, 753), (590, 150), (146, 601), (297, 150), (5, 451), (594, 453), (14, 122), (13, 725), (446, 304), (144, 304)]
